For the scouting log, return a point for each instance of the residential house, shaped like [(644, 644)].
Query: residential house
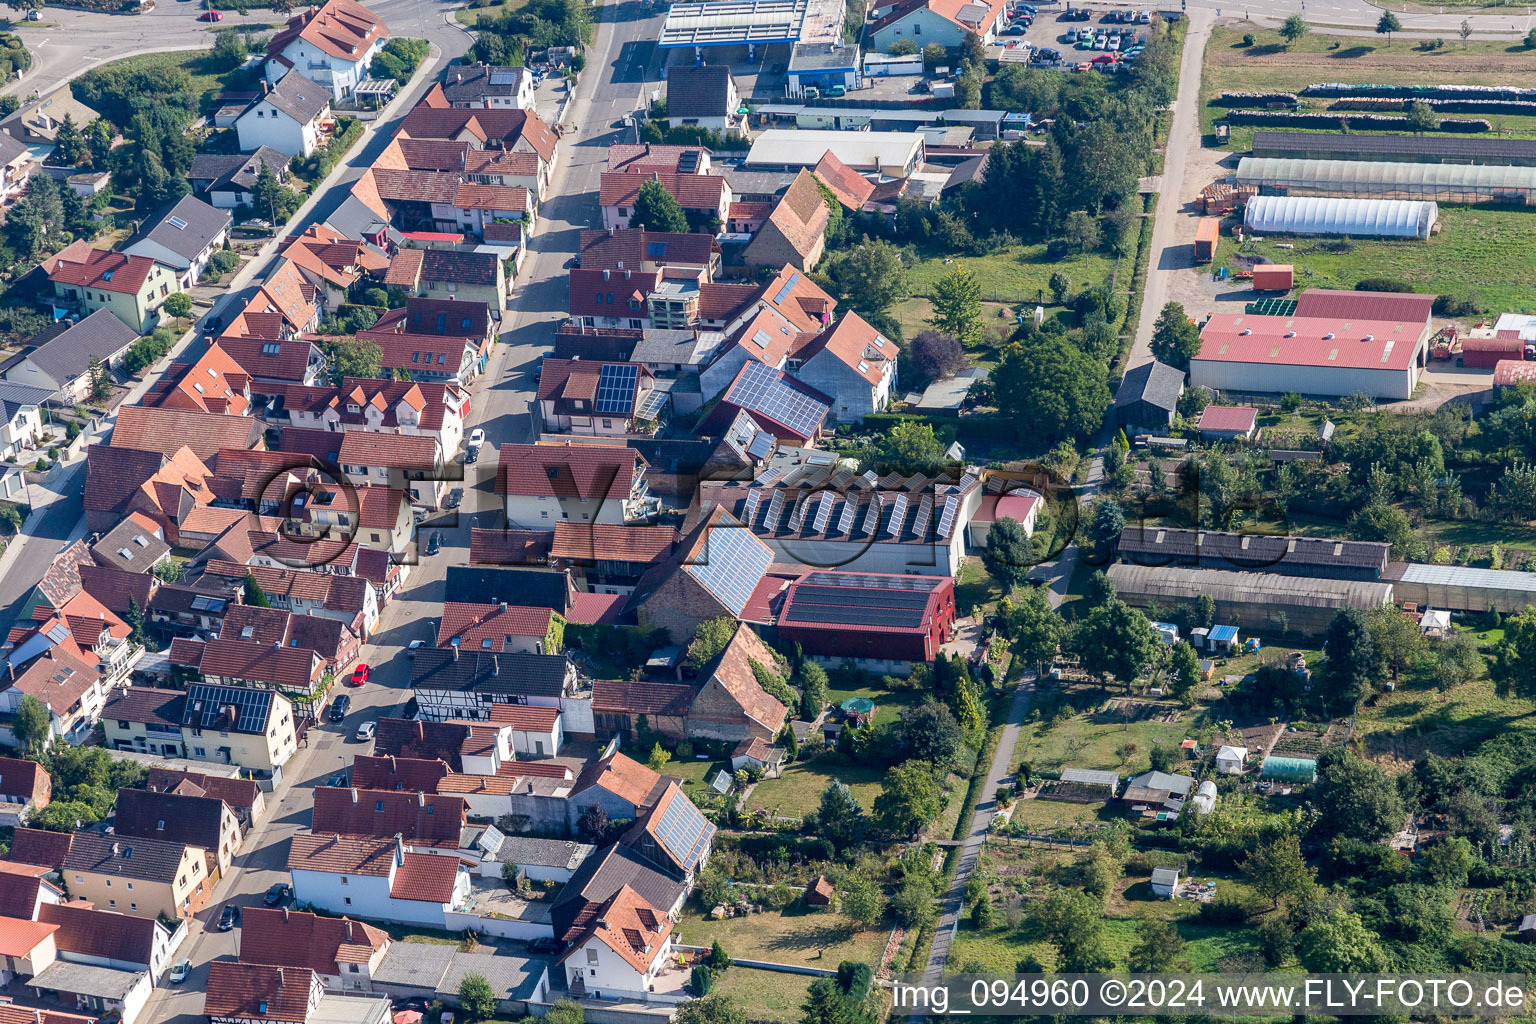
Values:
[(620, 785), (712, 573), (120, 481), (607, 558), (135, 545), (344, 953), (16, 166), (131, 288), (287, 293), (882, 622), (705, 198), (229, 180), (140, 877), (382, 406), (650, 251), (243, 796), (271, 354), (215, 383), (515, 130), (333, 44), (586, 397), (454, 274), (445, 340), (444, 202), (646, 157), (795, 231), (705, 95), (460, 684), (500, 628), (183, 238), (121, 591), (293, 117), (471, 747), (109, 938), (376, 879), (405, 462), (67, 682), (851, 363), (331, 262), (622, 951), (541, 860), (25, 786), (21, 418), (424, 821), (604, 873), (252, 728), (168, 429), (489, 86), (924, 22), (542, 484), (229, 662), (202, 821), (351, 599), (39, 123), (331, 639), (780, 404), (243, 993)]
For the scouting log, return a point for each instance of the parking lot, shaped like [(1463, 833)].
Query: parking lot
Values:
[(1053, 30)]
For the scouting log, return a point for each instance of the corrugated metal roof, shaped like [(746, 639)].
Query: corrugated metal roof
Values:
[(1311, 215), (1293, 173), (1466, 576), (1248, 587)]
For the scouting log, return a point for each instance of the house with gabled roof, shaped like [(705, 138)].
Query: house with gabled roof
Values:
[(381, 406), (442, 340), (622, 786), (132, 288), (168, 878), (424, 821), (851, 363), (183, 237), (332, 262), (293, 116), (214, 383), (243, 796), (249, 727), (344, 953), (25, 786), (672, 834), (452, 274), (850, 187), (489, 86), (198, 820), (229, 180), (610, 559), (376, 879), (500, 628), (245, 993), (590, 397), (228, 661), (334, 43), (704, 95), (621, 953), (110, 938), (649, 251), (712, 572), (542, 484), (795, 231), (516, 130), (946, 22), (705, 198)]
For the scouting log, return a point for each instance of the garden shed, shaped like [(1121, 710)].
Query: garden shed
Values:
[(1165, 882), (1358, 218), (1289, 769)]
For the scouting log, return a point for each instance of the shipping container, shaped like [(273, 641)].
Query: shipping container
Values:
[(1273, 277), (1205, 239)]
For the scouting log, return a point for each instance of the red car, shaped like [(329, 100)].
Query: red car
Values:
[(211, 16), (360, 675)]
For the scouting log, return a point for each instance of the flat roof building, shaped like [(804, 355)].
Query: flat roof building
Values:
[(1318, 557), (892, 154)]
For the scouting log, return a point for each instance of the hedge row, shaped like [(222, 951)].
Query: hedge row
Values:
[(995, 428), (1325, 119), (1421, 92), (1243, 99), (1526, 107)]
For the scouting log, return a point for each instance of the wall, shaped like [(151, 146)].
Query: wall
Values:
[(273, 128), (1304, 380), (499, 927)]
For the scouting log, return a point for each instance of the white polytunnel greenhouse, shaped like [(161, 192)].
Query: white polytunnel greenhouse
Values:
[(1383, 179), (1361, 218)]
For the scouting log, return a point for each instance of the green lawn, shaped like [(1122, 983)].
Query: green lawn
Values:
[(975, 588), (694, 772), (470, 15), (1020, 273), (798, 791), (1487, 250), (792, 936), (1416, 718), (1000, 948), (766, 995), (1089, 741)]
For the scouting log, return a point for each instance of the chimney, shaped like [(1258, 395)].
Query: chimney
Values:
[(266, 87), (605, 275), (116, 850), (421, 799), (346, 924), (392, 768), (503, 606), (455, 652), (279, 977), (399, 849), (37, 1016)]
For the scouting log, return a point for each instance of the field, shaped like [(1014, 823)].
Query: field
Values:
[(470, 15), (1414, 719), (1489, 251), (1092, 741), (766, 995), (797, 936), (1270, 65), (208, 80)]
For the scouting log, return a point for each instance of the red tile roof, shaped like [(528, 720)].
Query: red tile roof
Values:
[(36, 846), (99, 268), (567, 470), (525, 717), (628, 697), (851, 188), (423, 819), (490, 546), (340, 28), (18, 937), (1228, 417), (87, 931), (615, 250), (425, 877), (406, 774), (612, 293), (474, 624), (854, 343), (629, 926), (646, 157), (612, 542), (284, 938), (168, 430), (390, 451), (258, 992), (692, 191), (340, 855), (622, 776), (261, 663), (25, 780), (508, 126)]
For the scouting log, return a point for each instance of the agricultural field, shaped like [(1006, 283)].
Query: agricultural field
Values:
[(795, 935)]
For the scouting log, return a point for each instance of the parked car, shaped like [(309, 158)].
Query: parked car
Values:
[(340, 706), (277, 894), (1016, 29), (365, 731), (211, 16), (476, 438), (339, 780), (1100, 41), (229, 918), (180, 971), (360, 674), (545, 945), (837, 90), (1114, 44), (1144, 18), (434, 542)]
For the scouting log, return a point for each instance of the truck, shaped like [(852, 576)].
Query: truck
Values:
[(1206, 236)]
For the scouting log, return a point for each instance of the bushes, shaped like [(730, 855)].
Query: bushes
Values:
[(1421, 92), (1457, 304), (1328, 119), (399, 59), (1243, 99), (147, 350), (1382, 284)]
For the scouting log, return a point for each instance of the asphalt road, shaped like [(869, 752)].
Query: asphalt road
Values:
[(620, 61)]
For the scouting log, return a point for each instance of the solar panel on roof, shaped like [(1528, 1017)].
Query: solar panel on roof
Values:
[(754, 500), (769, 476), (655, 250), (898, 516), (732, 564), (823, 512), (856, 605), (947, 517), (872, 518), (845, 521), (503, 78), (176, 222), (775, 510), (762, 389), (762, 444), (924, 516), (251, 705), (680, 830), (796, 517), (789, 286), (616, 388)]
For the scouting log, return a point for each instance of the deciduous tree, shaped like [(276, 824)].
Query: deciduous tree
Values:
[(957, 306), (1159, 947), (1010, 553), (31, 724), (1175, 340), (476, 998), (1294, 28), (934, 354), (859, 900), (1277, 870), (1115, 640), (1357, 797), (656, 209), (909, 798)]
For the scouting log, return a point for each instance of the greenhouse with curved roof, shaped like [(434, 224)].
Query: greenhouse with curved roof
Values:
[(1361, 218), (1384, 179)]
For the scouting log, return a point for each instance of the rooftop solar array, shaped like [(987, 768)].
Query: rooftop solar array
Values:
[(733, 22), (823, 511), (761, 445), (874, 605), (616, 388), (947, 517), (754, 501), (682, 830), (924, 516), (872, 517), (898, 516), (651, 405), (731, 565), (775, 510), (1419, 148), (762, 389), (206, 703), (845, 521), (504, 77), (796, 516), (789, 286)]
